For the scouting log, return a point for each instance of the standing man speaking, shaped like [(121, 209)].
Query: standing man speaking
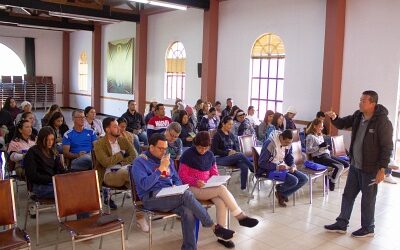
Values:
[(370, 150)]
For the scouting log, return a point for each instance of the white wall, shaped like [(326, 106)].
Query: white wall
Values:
[(48, 54), (371, 54), (111, 33), (163, 30), (80, 41), (300, 24)]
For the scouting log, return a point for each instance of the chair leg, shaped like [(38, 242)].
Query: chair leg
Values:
[(101, 242), (123, 199), (173, 223), (252, 191), (273, 196), (165, 225), (122, 237), (26, 214), (37, 223), (108, 200), (310, 187), (149, 217), (228, 221), (294, 199), (73, 243), (58, 236), (130, 224)]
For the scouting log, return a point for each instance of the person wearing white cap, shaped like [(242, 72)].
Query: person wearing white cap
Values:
[(288, 122), (27, 107)]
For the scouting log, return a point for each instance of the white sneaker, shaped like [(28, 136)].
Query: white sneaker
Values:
[(243, 192), (142, 225), (389, 179)]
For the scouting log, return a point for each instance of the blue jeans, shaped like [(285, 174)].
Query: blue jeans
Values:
[(188, 208), (136, 143), (240, 161), (82, 163), (357, 181), (388, 171), (143, 137), (43, 191), (292, 183)]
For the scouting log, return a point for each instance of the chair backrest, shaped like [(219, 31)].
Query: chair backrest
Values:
[(212, 132), (246, 143), (296, 135), (7, 207), (17, 79), (256, 157), (6, 79), (338, 146), (135, 196), (297, 153), (76, 193)]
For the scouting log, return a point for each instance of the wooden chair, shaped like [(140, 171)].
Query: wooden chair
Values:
[(68, 203), (256, 155), (246, 144), (40, 204), (339, 150), (111, 190), (150, 215), (299, 159), (12, 237)]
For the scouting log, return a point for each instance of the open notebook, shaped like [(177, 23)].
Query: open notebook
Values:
[(174, 190), (217, 180)]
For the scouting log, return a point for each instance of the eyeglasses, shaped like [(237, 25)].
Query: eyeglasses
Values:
[(79, 117)]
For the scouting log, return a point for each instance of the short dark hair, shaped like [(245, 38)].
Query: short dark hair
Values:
[(320, 114), (129, 102), (217, 103), (212, 109), (54, 117), (250, 107), (373, 96), (154, 138), (107, 121), (181, 114), (25, 114), (87, 110), (287, 134), (121, 120), (202, 139), (225, 120), (159, 105), (228, 99)]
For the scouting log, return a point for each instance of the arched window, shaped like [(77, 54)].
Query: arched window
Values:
[(175, 71), (10, 63), (267, 68), (83, 72)]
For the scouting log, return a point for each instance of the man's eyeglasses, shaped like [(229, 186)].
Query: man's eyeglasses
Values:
[(79, 117)]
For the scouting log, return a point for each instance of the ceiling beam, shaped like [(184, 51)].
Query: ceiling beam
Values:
[(64, 24), (46, 6), (201, 4)]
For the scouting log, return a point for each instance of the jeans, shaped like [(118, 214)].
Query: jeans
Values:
[(82, 163), (43, 191), (136, 143), (388, 171), (188, 208), (293, 182), (238, 160), (336, 163), (143, 137), (357, 181)]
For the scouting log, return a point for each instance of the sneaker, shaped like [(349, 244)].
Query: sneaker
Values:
[(226, 243), (362, 232), (223, 233), (143, 225), (113, 206), (244, 193), (336, 228), (390, 179), (331, 186), (248, 222), (281, 199)]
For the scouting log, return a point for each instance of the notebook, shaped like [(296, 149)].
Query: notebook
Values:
[(171, 191), (217, 180)]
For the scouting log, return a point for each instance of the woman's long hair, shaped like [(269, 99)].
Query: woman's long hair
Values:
[(275, 118), (54, 117), (311, 129), (268, 113), (224, 120), (42, 141)]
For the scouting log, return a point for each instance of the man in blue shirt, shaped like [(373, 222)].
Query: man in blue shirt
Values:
[(78, 143), (153, 171)]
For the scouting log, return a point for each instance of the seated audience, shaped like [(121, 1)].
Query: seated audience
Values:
[(276, 154), (242, 125), (262, 128), (197, 166), (7, 125), (288, 122), (78, 143), (159, 122), (31, 118), (319, 151), (254, 121), (233, 112), (198, 106), (218, 109), (10, 105), (276, 124), (42, 162), (228, 109), (132, 138), (152, 108), (27, 107), (209, 121), (175, 108), (57, 123), (53, 108), (320, 116), (192, 115), (225, 147), (174, 142), (153, 171), (135, 122), (91, 122), (19, 145), (187, 132)]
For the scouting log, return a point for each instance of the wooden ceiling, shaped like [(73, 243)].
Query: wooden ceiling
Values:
[(70, 15)]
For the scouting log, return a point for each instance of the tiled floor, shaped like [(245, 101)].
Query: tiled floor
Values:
[(297, 227)]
